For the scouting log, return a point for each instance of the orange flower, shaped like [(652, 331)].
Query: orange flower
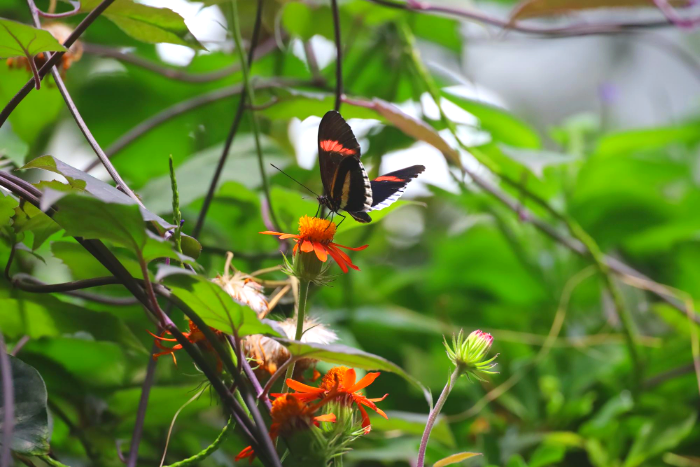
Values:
[(317, 235), (289, 414), (196, 337), (339, 383)]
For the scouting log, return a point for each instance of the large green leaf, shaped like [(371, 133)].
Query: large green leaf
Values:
[(146, 23), (31, 433), (17, 39), (344, 355), (11, 146), (212, 303)]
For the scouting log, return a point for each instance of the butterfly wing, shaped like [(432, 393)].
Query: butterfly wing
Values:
[(351, 188), (336, 142), (389, 187)]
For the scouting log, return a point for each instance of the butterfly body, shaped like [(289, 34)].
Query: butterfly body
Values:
[(346, 185)]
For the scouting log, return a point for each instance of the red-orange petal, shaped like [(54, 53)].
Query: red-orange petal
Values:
[(378, 399), (359, 248), (286, 236), (294, 251), (347, 259), (161, 338), (365, 419), (325, 418), (270, 232), (320, 250), (307, 246), (338, 259), (301, 387), (349, 379), (246, 452), (364, 382)]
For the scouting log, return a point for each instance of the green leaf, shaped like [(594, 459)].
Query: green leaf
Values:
[(658, 436), (212, 303), (502, 125), (11, 146), (18, 40), (456, 458), (305, 22), (536, 160), (87, 217), (146, 23), (625, 142), (547, 454), (343, 355), (39, 223), (294, 103), (31, 433), (413, 424), (52, 318), (7, 209)]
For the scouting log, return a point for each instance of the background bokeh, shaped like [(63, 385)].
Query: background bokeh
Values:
[(604, 129)]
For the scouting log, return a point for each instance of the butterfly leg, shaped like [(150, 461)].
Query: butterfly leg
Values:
[(342, 220)]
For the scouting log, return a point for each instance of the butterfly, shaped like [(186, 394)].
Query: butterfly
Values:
[(346, 185)]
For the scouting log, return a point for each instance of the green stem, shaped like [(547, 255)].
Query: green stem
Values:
[(236, 29), (301, 313), (51, 461), (200, 456), (177, 215), (432, 418)]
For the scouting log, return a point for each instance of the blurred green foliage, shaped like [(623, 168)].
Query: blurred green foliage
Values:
[(455, 259)]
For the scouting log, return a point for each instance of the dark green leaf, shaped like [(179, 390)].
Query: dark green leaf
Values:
[(212, 303), (18, 39), (659, 435), (31, 432)]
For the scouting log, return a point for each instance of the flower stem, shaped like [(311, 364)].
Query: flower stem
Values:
[(301, 313), (51, 461), (200, 456), (433, 416)]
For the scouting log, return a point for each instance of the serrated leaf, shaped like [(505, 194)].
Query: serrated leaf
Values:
[(81, 181), (17, 40), (455, 458), (31, 432), (146, 23), (211, 303), (344, 355)]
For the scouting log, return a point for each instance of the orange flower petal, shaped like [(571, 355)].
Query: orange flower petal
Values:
[(365, 419), (301, 387), (307, 246), (294, 251), (378, 399), (325, 418), (269, 232), (161, 338), (364, 382), (347, 259), (246, 452), (338, 259), (359, 248), (320, 250), (286, 236), (349, 379)]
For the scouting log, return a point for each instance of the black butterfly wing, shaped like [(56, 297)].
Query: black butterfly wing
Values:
[(351, 188), (389, 187), (336, 142)]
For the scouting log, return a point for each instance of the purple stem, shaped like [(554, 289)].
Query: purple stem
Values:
[(65, 14), (670, 13), (8, 401), (432, 418), (251, 376), (143, 405), (339, 56), (20, 343)]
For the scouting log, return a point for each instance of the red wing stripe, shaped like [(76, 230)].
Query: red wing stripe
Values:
[(334, 146), (389, 178)]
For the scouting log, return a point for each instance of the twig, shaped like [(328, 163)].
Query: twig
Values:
[(20, 343), (567, 31), (8, 400), (103, 51), (53, 60), (670, 13), (312, 61), (339, 56), (30, 284), (199, 457), (8, 266), (65, 14), (432, 417), (141, 411), (184, 107), (81, 123), (239, 110), (275, 376)]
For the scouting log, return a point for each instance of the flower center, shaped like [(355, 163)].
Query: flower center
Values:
[(316, 230)]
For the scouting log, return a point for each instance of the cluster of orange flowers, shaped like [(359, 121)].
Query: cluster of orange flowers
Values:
[(292, 412)]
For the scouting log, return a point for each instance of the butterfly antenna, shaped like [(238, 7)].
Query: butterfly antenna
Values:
[(297, 181)]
